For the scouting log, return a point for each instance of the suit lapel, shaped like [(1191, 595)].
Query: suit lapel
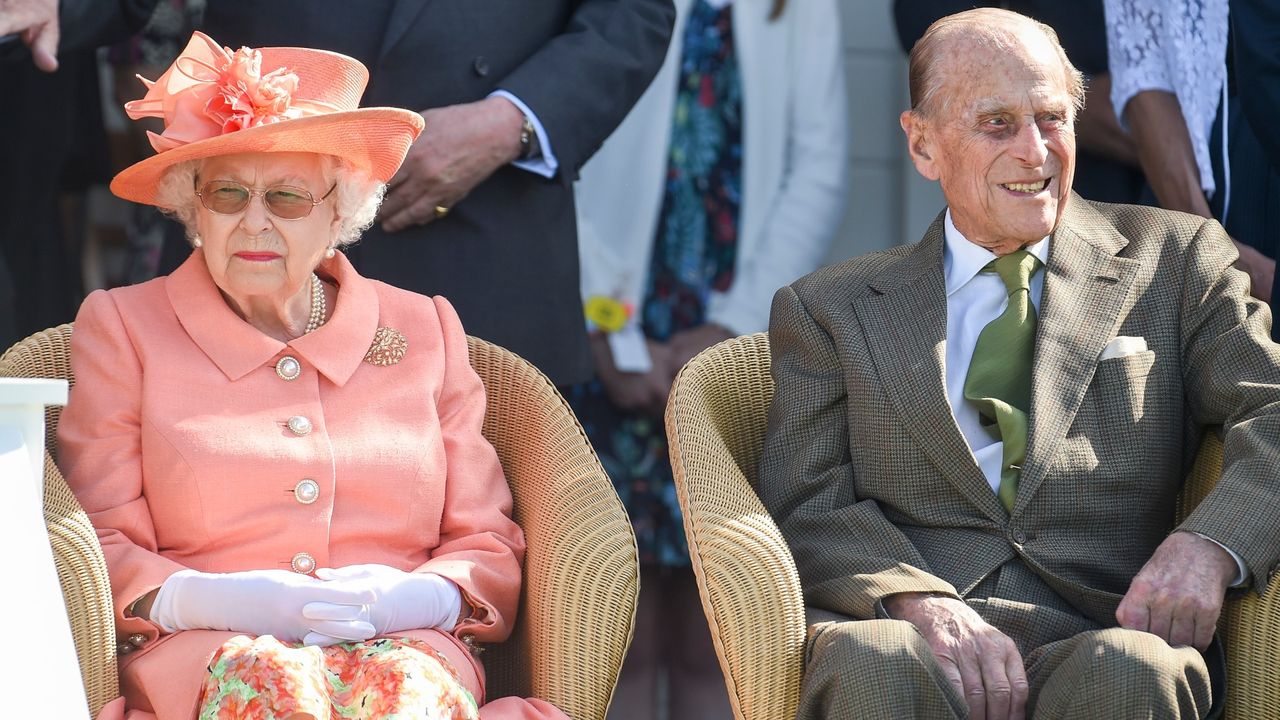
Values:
[(904, 319), (403, 13), (1084, 294)]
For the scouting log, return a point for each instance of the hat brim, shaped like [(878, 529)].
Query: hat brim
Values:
[(374, 139)]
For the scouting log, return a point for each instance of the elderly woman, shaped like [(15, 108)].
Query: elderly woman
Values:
[(283, 459)]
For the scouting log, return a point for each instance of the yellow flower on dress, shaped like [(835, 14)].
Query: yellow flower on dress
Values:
[(606, 313)]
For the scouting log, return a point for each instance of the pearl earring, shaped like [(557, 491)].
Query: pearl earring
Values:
[(197, 242), (328, 254)]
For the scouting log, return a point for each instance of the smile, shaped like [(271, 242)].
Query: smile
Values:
[(1027, 188)]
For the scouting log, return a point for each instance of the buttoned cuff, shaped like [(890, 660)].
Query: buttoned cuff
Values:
[(1242, 572), (546, 163)]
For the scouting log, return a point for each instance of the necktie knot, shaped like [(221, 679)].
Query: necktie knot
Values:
[(1015, 269)]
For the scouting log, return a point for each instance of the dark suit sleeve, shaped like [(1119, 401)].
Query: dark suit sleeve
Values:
[(849, 556), (1232, 377), (584, 81), (1255, 27)]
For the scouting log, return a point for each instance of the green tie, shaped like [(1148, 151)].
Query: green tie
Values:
[(999, 379)]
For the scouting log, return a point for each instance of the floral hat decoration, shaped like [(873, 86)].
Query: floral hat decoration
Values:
[(217, 102)]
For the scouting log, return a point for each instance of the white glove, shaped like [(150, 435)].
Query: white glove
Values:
[(263, 602), (402, 600)]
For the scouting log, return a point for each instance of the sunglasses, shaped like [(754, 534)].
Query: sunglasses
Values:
[(227, 197)]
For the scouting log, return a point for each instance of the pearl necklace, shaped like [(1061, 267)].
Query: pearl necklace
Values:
[(318, 309)]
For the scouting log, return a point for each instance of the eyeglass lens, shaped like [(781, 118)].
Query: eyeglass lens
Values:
[(228, 198)]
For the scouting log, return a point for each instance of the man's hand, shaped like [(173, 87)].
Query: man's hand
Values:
[(460, 147), (37, 21), (1178, 594), (981, 663), (634, 392)]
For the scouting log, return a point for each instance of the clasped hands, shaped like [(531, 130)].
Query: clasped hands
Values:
[(347, 604), (1177, 595)]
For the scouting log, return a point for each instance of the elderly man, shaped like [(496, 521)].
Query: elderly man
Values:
[(976, 441)]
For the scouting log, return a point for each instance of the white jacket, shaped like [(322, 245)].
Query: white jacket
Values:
[(795, 155)]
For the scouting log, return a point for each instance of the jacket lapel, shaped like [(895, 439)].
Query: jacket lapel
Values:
[(1084, 295), (904, 319), (403, 13)]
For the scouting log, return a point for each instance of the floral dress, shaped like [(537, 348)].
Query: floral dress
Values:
[(694, 254), (384, 678)]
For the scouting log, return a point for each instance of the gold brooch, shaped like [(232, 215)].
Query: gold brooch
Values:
[(388, 348)]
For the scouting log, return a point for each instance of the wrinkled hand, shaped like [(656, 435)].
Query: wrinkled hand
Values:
[(981, 663), (262, 602), (1260, 269), (634, 392), (460, 147), (1178, 594), (401, 600), (687, 343), (37, 21)]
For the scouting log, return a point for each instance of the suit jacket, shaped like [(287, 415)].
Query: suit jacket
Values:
[(877, 492), (174, 442), (506, 256)]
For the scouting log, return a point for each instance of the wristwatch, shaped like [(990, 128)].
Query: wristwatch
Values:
[(529, 147)]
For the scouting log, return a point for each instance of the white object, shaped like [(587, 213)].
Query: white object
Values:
[(22, 403), (795, 144), (1122, 345), (262, 602), (404, 600), (630, 354)]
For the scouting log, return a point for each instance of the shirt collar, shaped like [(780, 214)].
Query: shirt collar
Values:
[(237, 348), (962, 260)]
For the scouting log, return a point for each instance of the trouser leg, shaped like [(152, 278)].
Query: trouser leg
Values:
[(874, 669), (1117, 673)]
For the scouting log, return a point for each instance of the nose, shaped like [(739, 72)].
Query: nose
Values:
[(255, 220), (1030, 146)]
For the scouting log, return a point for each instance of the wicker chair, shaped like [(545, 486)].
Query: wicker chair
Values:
[(581, 570), (747, 579)]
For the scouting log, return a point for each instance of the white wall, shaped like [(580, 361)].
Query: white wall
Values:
[(889, 203)]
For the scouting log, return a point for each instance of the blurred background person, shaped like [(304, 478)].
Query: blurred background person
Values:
[(726, 181), (1174, 88), (518, 95)]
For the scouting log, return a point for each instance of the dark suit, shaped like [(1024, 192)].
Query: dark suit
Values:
[(877, 492), (506, 256)]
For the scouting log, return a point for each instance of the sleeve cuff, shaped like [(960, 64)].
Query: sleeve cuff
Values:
[(546, 164)]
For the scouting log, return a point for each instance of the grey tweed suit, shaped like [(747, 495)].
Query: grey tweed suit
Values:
[(877, 492)]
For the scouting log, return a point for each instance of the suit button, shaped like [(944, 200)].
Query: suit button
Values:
[(137, 640), (288, 368), (299, 425), (481, 66), (302, 563), (1017, 535), (306, 491)]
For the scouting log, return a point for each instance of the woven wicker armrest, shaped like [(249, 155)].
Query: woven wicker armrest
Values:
[(581, 568), (77, 556), (746, 577), (1250, 625)]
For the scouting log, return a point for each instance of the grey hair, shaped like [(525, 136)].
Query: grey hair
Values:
[(356, 196), (990, 27)]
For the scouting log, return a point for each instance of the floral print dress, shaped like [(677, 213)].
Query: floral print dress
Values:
[(694, 254)]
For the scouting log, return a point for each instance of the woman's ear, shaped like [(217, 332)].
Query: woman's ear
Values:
[(919, 144)]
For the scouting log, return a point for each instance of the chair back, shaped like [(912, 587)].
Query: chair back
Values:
[(747, 580), (581, 570)]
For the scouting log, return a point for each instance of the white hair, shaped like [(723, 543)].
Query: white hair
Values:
[(356, 196)]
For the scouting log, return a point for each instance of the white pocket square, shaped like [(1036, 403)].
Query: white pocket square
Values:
[(1122, 345)]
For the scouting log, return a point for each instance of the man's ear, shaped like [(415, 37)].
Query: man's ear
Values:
[(919, 143)]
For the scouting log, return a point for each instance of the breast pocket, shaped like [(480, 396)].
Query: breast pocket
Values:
[(1120, 389)]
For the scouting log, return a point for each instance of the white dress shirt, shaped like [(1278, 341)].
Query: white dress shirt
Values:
[(975, 298)]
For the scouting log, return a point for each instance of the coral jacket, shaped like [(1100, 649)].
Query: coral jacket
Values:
[(178, 443)]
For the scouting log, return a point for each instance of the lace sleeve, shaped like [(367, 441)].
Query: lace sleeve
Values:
[(1178, 46)]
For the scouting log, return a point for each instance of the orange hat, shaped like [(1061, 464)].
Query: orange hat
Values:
[(218, 102)]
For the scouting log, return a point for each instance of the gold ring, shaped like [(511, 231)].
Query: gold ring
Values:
[(441, 211)]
